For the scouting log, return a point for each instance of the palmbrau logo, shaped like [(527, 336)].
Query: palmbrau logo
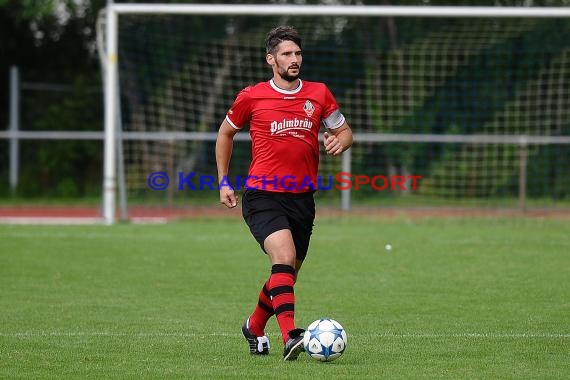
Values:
[(289, 124)]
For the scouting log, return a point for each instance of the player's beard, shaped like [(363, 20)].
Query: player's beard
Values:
[(284, 74)]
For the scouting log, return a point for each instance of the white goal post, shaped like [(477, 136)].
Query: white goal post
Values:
[(111, 61)]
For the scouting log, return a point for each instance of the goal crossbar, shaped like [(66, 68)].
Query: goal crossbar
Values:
[(341, 10)]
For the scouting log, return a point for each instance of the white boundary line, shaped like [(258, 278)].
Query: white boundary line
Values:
[(65, 220), (478, 335), (50, 220), (38, 334)]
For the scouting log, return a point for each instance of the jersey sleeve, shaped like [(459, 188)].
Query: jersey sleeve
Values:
[(332, 117), (330, 103), (240, 112)]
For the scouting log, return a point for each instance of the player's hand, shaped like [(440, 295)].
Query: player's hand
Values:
[(228, 197), (332, 144)]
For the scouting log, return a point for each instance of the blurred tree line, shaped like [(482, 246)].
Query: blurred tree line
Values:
[(54, 42)]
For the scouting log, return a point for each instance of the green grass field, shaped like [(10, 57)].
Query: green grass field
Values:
[(454, 298)]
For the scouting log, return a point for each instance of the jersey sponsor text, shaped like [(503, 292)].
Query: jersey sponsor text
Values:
[(287, 124)]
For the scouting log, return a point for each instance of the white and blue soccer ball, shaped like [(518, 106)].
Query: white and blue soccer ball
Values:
[(325, 340)]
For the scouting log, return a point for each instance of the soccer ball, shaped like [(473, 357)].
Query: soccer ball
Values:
[(325, 340)]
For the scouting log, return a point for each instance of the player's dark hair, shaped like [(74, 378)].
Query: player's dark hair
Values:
[(280, 34)]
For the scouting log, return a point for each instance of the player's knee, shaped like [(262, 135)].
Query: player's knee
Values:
[(285, 257)]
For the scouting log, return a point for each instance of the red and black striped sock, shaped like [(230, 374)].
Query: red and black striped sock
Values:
[(280, 287), (263, 311)]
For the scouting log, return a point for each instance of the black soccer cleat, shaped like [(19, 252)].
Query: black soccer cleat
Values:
[(258, 345), (294, 345)]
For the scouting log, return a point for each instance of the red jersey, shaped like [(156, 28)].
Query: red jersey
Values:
[(284, 127)]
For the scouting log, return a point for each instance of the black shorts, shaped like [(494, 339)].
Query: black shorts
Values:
[(266, 212)]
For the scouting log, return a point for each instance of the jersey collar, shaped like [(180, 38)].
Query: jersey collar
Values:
[(287, 92)]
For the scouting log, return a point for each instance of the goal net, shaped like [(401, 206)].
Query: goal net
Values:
[(475, 106)]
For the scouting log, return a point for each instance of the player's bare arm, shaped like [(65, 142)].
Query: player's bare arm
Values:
[(224, 148), (338, 140)]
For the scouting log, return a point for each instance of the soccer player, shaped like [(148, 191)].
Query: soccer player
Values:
[(284, 116)]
